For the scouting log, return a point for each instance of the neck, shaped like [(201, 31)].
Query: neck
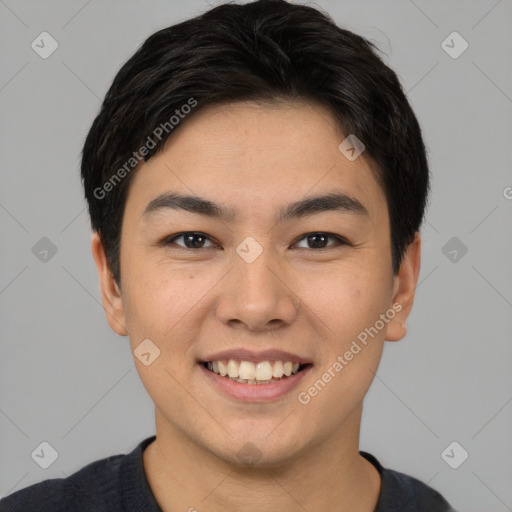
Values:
[(185, 476)]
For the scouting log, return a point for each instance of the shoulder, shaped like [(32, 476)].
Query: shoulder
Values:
[(418, 496), (90, 488), (401, 492), (97, 487)]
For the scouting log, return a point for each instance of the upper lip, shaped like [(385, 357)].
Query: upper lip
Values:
[(255, 357)]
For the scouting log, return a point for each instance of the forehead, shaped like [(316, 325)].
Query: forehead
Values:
[(253, 157)]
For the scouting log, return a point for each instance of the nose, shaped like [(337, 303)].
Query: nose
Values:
[(258, 295)]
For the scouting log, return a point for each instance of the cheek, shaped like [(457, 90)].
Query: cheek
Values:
[(162, 303), (353, 339), (151, 298), (352, 344), (349, 301)]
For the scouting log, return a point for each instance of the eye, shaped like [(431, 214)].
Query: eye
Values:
[(193, 240), (196, 240), (319, 238)]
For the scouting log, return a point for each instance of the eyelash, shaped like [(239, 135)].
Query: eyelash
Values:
[(340, 241)]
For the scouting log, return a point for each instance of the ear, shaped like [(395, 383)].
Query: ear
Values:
[(404, 289), (110, 292)]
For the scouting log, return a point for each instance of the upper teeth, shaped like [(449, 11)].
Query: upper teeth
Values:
[(247, 370)]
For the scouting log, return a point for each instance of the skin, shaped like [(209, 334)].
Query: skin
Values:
[(295, 297)]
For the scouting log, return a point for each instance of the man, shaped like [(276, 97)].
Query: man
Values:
[(256, 182)]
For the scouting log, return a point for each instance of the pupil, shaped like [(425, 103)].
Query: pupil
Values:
[(319, 235), (190, 237)]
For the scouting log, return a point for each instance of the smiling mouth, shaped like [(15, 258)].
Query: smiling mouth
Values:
[(247, 372)]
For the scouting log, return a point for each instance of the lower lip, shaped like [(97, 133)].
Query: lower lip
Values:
[(255, 392)]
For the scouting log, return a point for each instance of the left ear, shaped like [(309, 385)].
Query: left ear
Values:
[(404, 288)]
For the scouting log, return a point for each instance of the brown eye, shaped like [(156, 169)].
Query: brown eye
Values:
[(318, 240), (192, 240)]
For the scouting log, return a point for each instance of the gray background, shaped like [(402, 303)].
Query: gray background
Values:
[(68, 380)]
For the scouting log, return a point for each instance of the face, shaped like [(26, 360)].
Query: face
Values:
[(249, 278)]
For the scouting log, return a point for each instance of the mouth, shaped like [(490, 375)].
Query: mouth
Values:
[(249, 372), (254, 377)]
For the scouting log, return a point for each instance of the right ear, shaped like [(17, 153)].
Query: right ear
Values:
[(110, 292)]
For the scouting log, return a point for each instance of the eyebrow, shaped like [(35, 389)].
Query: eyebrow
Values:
[(334, 201)]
